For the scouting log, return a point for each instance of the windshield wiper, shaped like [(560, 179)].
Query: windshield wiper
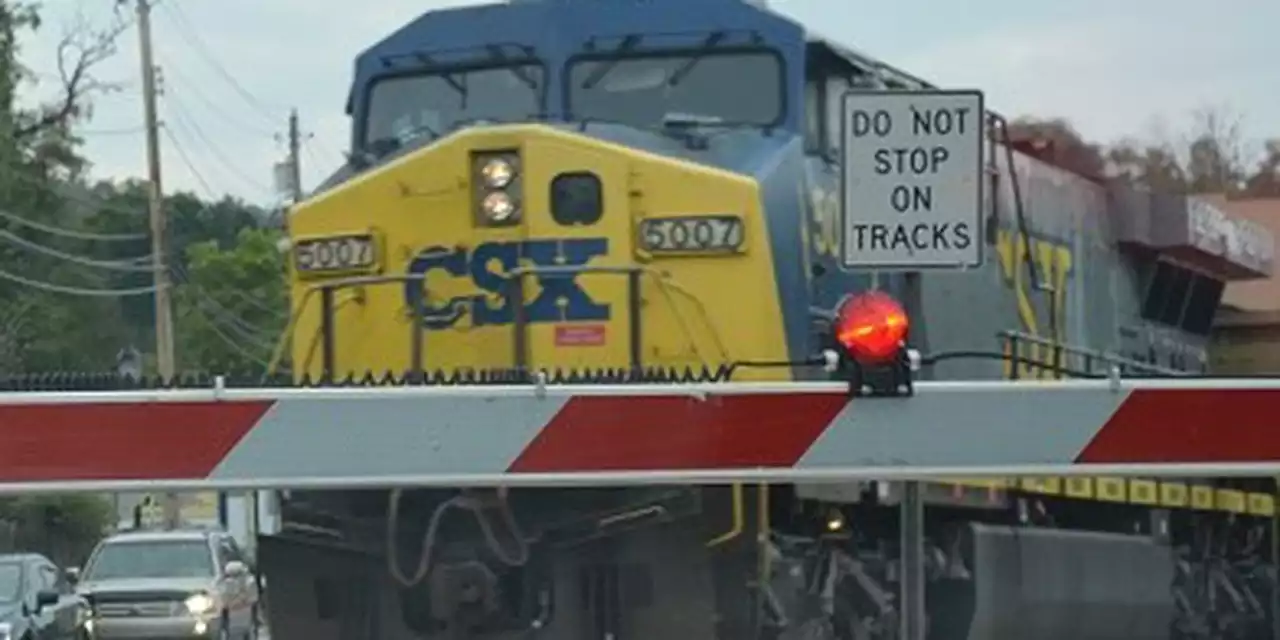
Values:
[(453, 82), (683, 71), (628, 43), (497, 55)]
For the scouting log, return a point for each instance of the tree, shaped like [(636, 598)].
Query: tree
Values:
[(1209, 157), (63, 527), (1154, 166), (45, 329), (232, 309), (123, 210), (1215, 157), (1054, 140), (1264, 182)]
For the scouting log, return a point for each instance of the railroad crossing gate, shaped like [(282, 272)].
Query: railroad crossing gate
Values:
[(618, 434)]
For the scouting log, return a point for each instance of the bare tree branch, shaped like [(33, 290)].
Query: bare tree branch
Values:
[(1215, 151), (81, 49)]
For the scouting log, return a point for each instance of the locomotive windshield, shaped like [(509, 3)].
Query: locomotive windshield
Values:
[(727, 88), (405, 108)]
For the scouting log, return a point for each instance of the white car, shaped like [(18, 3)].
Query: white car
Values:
[(185, 583)]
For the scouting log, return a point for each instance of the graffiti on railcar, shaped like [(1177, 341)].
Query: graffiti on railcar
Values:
[(1042, 306), (824, 203)]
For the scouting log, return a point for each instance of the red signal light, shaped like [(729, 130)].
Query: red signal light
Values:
[(872, 327)]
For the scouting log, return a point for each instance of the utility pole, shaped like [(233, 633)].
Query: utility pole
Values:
[(159, 254), (295, 158)]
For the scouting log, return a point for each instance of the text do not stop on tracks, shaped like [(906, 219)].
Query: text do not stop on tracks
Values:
[(912, 164)]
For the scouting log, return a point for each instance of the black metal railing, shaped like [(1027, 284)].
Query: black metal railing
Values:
[(516, 281)]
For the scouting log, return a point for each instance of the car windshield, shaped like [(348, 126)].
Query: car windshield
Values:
[(10, 581), (152, 559), (402, 109), (733, 88)]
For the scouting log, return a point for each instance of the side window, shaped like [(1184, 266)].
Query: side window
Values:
[(836, 87)]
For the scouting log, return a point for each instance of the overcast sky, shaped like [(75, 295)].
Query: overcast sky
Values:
[(233, 68)]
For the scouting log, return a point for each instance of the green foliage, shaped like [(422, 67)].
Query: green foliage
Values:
[(63, 527), (233, 308), (228, 289)]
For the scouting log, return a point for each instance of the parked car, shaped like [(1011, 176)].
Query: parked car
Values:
[(182, 583), (37, 602)]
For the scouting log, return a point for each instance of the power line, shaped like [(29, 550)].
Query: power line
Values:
[(79, 197), (181, 273), (183, 121), (122, 131), (193, 38), (186, 160), (185, 276), (71, 233), (256, 336), (231, 342), (135, 265), (76, 291), (192, 89)]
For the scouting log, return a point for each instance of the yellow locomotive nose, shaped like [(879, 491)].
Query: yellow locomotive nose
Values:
[(523, 246)]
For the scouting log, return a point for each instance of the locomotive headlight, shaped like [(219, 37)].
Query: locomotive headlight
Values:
[(498, 207), (497, 187), (497, 173)]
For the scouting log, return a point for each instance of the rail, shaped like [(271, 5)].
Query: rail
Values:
[(1087, 358)]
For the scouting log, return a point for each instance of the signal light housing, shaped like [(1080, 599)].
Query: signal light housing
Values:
[(870, 351)]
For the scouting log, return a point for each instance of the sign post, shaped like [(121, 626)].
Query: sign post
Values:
[(912, 181)]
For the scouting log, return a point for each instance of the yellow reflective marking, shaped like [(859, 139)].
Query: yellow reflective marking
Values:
[(1201, 497), (1174, 494), (1111, 489), (980, 483), (1079, 488), (1143, 492), (1261, 504), (1230, 500), (1047, 486)]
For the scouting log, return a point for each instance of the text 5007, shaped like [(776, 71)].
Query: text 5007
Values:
[(335, 254)]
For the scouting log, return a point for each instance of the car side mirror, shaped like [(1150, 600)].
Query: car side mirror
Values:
[(46, 598), (72, 574), (236, 569)]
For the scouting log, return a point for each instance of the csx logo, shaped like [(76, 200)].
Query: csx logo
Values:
[(560, 298)]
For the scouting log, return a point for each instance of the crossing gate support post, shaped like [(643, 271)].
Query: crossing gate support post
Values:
[(912, 583)]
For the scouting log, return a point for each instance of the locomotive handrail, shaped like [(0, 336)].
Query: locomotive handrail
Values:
[(325, 331), (1014, 338), (633, 272), (325, 338)]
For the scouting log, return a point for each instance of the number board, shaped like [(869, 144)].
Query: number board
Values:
[(336, 254), (694, 234)]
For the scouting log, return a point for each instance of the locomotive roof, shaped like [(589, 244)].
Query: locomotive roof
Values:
[(890, 75)]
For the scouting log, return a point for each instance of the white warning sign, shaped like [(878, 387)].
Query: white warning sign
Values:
[(913, 171)]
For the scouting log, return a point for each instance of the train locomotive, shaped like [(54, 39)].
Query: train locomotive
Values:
[(616, 189)]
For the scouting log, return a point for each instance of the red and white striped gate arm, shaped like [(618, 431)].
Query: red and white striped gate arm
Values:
[(601, 434)]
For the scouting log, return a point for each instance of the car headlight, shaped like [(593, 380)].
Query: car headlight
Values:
[(498, 206), (6, 630), (199, 603), (497, 173)]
